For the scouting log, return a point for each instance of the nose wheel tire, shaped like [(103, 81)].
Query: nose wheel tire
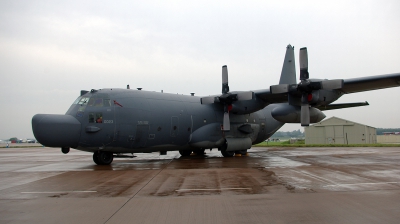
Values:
[(103, 158), (65, 150)]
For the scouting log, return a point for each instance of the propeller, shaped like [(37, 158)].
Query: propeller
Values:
[(306, 87), (227, 98)]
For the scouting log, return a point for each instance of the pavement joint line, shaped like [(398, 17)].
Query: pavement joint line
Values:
[(334, 185), (57, 192), (316, 177), (166, 165), (216, 189)]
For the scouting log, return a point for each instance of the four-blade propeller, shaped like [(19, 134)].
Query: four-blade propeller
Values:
[(227, 98), (306, 87)]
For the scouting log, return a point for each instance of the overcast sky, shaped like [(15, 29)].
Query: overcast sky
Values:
[(50, 50)]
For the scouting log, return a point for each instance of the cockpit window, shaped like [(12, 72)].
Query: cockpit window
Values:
[(107, 103), (96, 100), (91, 101), (84, 100), (77, 100), (99, 102)]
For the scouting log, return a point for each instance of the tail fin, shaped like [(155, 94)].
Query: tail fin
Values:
[(288, 75)]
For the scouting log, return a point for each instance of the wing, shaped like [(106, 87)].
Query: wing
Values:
[(268, 97), (370, 83)]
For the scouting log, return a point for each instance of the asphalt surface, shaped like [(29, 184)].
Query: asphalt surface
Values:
[(270, 185)]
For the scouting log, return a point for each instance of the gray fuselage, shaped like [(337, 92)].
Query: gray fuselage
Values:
[(131, 121)]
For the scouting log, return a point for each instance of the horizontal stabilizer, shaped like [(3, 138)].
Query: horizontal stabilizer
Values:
[(342, 105)]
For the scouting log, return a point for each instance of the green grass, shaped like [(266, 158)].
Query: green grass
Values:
[(301, 143)]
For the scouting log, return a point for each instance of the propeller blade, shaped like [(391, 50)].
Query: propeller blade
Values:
[(227, 123), (305, 115), (245, 95), (282, 88), (332, 84), (207, 100), (225, 86), (303, 63), (305, 111)]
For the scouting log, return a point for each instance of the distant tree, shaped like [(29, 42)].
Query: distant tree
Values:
[(288, 134)]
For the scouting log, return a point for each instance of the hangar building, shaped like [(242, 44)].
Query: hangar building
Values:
[(335, 130)]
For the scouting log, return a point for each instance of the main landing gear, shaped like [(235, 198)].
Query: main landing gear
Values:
[(185, 152), (223, 148), (103, 158)]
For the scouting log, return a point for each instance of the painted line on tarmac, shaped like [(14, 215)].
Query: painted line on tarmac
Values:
[(57, 192), (217, 189), (338, 185)]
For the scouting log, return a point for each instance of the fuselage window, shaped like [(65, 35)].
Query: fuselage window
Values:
[(95, 118)]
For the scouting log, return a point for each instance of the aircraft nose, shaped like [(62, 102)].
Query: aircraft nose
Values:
[(55, 130)]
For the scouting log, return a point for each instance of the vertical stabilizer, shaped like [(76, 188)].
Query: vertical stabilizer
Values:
[(288, 75)]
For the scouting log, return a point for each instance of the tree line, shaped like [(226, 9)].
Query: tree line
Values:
[(288, 134)]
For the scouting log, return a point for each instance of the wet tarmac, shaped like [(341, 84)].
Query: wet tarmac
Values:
[(270, 185)]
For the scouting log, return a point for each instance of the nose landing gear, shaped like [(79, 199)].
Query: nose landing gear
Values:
[(65, 150)]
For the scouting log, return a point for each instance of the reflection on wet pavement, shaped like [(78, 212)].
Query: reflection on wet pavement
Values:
[(280, 178)]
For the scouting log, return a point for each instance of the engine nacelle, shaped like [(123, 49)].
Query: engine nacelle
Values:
[(291, 114)]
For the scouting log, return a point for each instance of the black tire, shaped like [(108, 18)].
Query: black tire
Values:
[(65, 150), (103, 158), (185, 152), (199, 152), (226, 153), (95, 159), (243, 152)]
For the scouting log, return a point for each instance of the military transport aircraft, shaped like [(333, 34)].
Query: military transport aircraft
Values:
[(114, 122)]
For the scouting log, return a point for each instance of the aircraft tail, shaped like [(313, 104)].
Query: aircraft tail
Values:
[(288, 75)]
